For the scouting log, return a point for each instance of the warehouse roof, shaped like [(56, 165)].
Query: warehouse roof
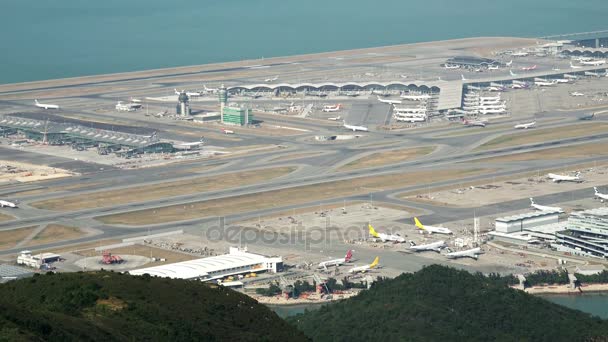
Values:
[(529, 215)]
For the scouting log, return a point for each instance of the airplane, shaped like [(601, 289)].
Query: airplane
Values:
[(403, 76), (473, 123), (189, 93), (509, 63), (470, 253), (525, 125), (7, 204), (576, 93), (572, 66), (597, 62), (210, 90), (396, 238), (599, 195), (496, 88), (451, 66), (562, 178), (493, 67), (335, 118), (433, 246), (561, 80), (520, 86), (335, 108), (519, 54), (272, 79), (355, 128), (45, 105), (389, 101), (587, 117), (529, 68), (431, 229), (337, 262), (512, 73), (544, 83), (365, 268), (544, 207), (227, 131)]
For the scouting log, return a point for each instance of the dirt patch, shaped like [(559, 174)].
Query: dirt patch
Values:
[(279, 198), (25, 172), (9, 238), (112, 303), (54, 233), (541, 135), (162, 190), (388, 157)]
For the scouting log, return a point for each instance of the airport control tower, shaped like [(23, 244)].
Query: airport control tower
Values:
[(183, 106), (223, 96)]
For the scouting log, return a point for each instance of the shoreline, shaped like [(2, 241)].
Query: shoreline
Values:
[(565, 289), (312, 299)]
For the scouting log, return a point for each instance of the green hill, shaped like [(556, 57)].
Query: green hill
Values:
[(444, 304), (106, 306)]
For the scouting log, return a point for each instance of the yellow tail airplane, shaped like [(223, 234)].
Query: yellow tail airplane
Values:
[(362, 269), (385, 237), (431, 229)]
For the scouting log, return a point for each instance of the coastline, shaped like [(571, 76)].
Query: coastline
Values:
[(310, 299), (565, 289)]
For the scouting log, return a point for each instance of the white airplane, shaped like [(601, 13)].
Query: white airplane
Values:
[(7, 204), (385, 237), (529, 68), (403, 76), (451, 66), (520, 86), (45, 105), (597, 62), (389, 101), (473, 123), (576, 93), (337, 262), (599, 195), (496, 88), (544, 83), (493, 67), (272, 79), (227, 131), (544, 207), (335, 118), (431, 229), (525, 125), (512, 73), (562, 178), (470, 253), (355, 128), (189, 93), (210, 90), (508, 64), (519, 54), (433, 246), (572, 66), (365, 268), (561, 80), (330, 109)]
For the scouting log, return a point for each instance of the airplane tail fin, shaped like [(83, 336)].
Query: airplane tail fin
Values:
[(36, 100), (375, 262), (349, 255), (418, 224), (372, 231), (595, 189), (412, 243), (531, 201)]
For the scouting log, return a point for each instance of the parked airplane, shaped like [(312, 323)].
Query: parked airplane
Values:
[(470, 253), (562, 178), (473, 123), (209, 90), (45, 105), (337, 262), (433, 246), (599, 195), (227, 131), (587, 117), (385, 237), (520, 86), (509, 63), (519, 54), (365, 268), (496, 88), (451, 66), (389, 101), (544, 207), (572, 66), (596, 62), (335, 108), (355, 128), (561, 80), (189, 93), (431, 229), (493, 67), (544, 83), (7, 204), (335, 118), (525, 125), (529, 68), (272, 79)]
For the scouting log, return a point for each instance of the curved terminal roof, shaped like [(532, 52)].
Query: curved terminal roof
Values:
[(436, 85)]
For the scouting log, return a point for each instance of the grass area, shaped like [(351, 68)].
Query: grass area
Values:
[(577, 151), (9, 238), (387, 157), (283, 197), (54, 233), (5, 217), (547, 134), (161, 190)]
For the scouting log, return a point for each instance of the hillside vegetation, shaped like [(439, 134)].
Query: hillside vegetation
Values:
[(444, 304), (106, 306)]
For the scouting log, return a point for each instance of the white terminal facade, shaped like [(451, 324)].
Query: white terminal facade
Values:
[(237, 261), (587, 233)]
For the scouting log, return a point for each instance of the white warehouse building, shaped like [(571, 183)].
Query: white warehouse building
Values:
[(237, 261), (519, 223)]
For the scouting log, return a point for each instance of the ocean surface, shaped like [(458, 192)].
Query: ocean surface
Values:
[(56, 39), (593, 303)]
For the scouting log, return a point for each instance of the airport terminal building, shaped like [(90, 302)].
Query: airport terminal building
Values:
[(587, 233)]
